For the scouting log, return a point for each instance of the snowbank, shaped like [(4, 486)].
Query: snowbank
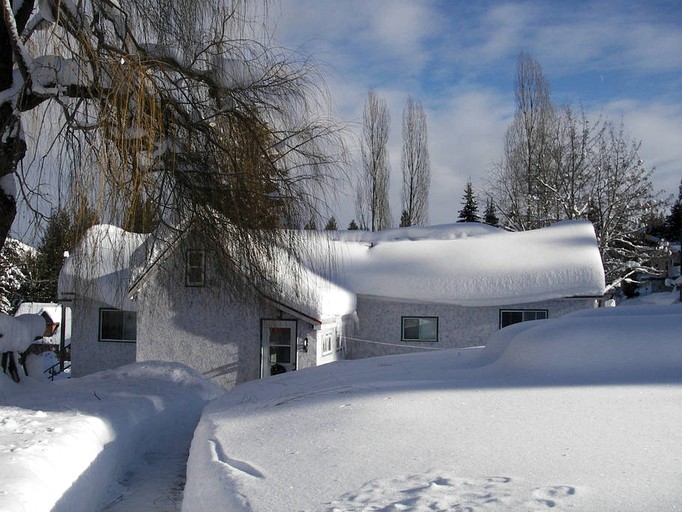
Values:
[(580, 412), (62, 444)]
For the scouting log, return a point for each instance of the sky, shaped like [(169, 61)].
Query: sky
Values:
[(620, 59)]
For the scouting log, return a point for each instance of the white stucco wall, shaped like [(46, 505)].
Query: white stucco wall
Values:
[(379, 331), (88, 354), (207, 328)]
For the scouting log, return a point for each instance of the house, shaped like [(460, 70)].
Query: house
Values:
[(389, 292), (453, 286), (131, 300)]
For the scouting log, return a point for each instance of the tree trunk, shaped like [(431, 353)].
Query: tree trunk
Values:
[(12, 151)]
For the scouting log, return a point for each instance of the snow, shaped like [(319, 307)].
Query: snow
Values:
[(63, 444), (18, 332), (52, 310), (469, 264), (579, 412), (99, 268)]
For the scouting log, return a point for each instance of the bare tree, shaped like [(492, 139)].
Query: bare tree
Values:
[(416, 166), (621, 197), (520, 197), (558, 165), (372, 191), (185, 108)]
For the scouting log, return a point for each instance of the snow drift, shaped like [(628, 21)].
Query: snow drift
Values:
[(579, 412)]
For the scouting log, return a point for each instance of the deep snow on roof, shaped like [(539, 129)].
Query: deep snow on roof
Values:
[(467, 264), (99, 268), (470, 264)]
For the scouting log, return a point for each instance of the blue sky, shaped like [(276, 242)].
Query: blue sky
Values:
[(619, 58)]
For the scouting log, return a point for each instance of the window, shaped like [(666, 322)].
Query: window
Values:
[(514, 316), (327, 343), (117, 325), (195, 271), (420, 328)]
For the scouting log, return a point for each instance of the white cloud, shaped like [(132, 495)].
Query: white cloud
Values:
[(440, 52)]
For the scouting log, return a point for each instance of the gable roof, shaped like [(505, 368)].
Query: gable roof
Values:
[(110, 266)]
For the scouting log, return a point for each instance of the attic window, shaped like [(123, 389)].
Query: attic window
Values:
[(420, 328), (117, 325), (515, 316), (195, 270)]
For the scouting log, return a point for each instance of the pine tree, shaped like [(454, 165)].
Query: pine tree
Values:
[(15, 263), (469, 212), (405, 219), (353, 226), (490, 217), (331, 224), (62, 234), (310, 226)]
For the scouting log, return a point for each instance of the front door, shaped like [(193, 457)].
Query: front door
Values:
[(278, 347)]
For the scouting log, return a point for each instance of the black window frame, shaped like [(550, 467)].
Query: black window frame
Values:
[(192, 268), (124, 314), (524, 313), (419, 317)]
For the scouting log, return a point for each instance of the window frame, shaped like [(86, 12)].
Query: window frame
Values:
[(124, 315), (327, 343), (191, 268), (420, 317), (523, 312)]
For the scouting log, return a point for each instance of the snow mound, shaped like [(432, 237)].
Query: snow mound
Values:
[(546, 416), (599, 345)]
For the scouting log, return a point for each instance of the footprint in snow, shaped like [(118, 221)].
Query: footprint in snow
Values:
[(445, 491)]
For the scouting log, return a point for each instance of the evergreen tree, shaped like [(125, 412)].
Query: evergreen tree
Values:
[(310, 226), (353, 226), (490, 217), (62, 233), (405, 219), (469, 212), (15, 264), (331, 224)]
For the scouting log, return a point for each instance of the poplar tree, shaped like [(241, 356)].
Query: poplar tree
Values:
[(372, 202), (416, 166)]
